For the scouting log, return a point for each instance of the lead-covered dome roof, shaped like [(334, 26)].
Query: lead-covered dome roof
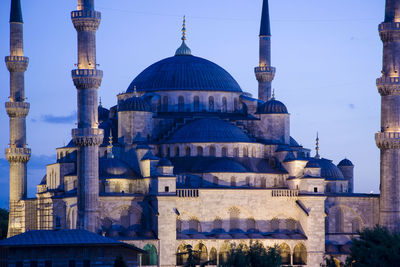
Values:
[(209, 130), (345, 163), (329, 171), (184, 72), (272, 106), (114, 168), (134, 104)]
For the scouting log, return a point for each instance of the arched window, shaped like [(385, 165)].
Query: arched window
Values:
[(339, 221), (263, 182), (236, 152), (196, 104), (247, 181), (187, 151), (224, 253), (233, 181), (131, 188), (200, 254), (245, 152), (194, 225), (275, 225), (275, 182), (117, 188), (251, 225), (341, 188), (299, 255), (177, 151), (328, 188), (212, 151), (199, 151), (211, 104), (234, 219), (159, 105), (224, 152), (165, 104), (182, 255), (181, 104), (215, 180), (168, 152), (291, 225), (235, 104), (151, 257), (224, 105), (355, 225), (218, 225), (253, 152), (213, 256), (285, 253)]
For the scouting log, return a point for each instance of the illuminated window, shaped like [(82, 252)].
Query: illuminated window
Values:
[(181, 104)]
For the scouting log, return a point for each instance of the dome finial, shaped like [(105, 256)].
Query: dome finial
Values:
[(317, 156), (100, 102), (273, 94), (134, 91), (183, 50), (110, 154)]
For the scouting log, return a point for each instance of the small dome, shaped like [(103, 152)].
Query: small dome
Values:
[(329, 170), (134, 104), (345, 163), (103, 113), (164, 163), (209, 130), (312, 164), (187, 73), (272, 107), (114, 168)]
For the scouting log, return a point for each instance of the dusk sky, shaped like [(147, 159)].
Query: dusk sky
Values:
[(327, 54)]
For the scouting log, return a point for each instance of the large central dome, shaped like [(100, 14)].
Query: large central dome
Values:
[(184, 72)]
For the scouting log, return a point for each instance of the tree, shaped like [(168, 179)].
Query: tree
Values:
[(330, 262), (254, 256), (119, 262), (3, 223), (374, 248)]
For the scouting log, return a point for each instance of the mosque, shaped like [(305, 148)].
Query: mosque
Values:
[(186, 157)]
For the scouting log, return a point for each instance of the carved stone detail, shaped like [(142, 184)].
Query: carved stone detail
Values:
[(17, 63), (17, 109), (18, 154), (87, 78), (387, 140), (86, 20), (87, 137), (265, 74)]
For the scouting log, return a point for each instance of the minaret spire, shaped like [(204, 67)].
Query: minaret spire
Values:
[(265, 73), (317, 156), (387, 139), (183, 50), (87, 137), (18, 154)]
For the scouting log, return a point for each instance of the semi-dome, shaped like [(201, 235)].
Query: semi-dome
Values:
[(134, 104), (329, 171), (272, 106), (345, 163), (209, 130), (114, 168), (184, 72)]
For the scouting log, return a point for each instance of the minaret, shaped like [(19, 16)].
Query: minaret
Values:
[(87, 137), (388, 139), (265, 73), (17, 109)]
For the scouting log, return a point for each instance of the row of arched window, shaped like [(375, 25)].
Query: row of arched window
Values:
[(202, 254), (276, 224), (172, 151), (164, 105), (339, 223)]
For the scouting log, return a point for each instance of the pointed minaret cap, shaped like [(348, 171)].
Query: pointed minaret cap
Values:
[(317, 156), (265, 28), (16, 11), (183, 50)]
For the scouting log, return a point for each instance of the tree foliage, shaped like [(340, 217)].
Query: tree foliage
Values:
[(375, 247), (3, 223), (254, 256)]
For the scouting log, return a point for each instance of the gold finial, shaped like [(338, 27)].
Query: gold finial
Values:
[(317, 147), (110, 145), (184, 29), (134, 91)]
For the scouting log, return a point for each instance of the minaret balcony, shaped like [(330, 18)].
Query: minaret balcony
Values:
[(17, 63), (387, 140), (388, 85), (389, 31), (265, 69), (87, 78), (87, 136), (265, 73), (17, 109), (389, 26), (18, 154), (86, 20)]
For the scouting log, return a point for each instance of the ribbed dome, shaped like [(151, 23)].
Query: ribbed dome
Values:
[(114, 168), (209, 130), (329, 170), (184, 72), (312, 164), (134, 104), (345, 163), (272, 107)]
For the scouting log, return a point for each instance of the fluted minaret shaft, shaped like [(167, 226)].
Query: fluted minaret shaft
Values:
[(265, 73), (388, 139), (17, 109), (87, 137)]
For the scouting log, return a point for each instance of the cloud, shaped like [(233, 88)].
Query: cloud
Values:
[(352, 106), (49, 118)]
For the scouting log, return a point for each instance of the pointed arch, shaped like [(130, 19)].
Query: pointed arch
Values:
[(181, 255), (284, 250), (224, 152), (201, 254), (234, 214), (211, 104), (224, 104), (151, 257), (213, 256), (300, 254), (196, 104)]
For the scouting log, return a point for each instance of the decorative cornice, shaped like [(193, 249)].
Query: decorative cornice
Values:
[(87, 136), (387, 140), (17, 109), (17, 63), (388, 85), (18, 154), (87, 78), (86, 20), (265, 74)]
